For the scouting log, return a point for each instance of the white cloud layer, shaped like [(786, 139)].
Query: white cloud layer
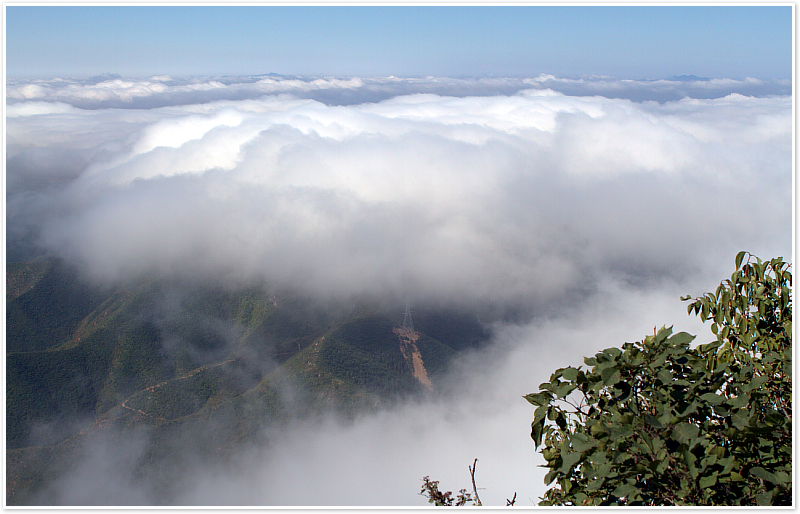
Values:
[(526, 197), (158, 91), (494, 198)]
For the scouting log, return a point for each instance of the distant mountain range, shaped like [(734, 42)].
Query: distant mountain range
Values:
[(688, 78), (84, 362)]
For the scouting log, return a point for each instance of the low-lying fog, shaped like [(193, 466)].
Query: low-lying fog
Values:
[(592, 214)]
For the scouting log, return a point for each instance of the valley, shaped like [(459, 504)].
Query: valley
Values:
[(198, 369)]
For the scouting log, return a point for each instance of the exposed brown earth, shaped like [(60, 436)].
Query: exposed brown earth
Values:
[(408, 345)]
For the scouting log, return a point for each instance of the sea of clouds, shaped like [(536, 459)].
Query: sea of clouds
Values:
[(592, 204), (111, 90)]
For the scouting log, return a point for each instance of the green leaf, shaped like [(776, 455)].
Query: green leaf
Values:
[(773, 419), (708, 460), (620, 433), (624, 490), (569, 460), (595, 484), (536, 432), (689, 459), (582, 444), (685, 433), (707, 481), (681, 338), (782, 478), (598, 429), (739, 401), (727, 464), (713, 399), (538, 399), (741, 419), (764, 499), (565, 389), (611, 376), (739, 258), (763, 474), (650, 420), (579, 498), (570, 374)]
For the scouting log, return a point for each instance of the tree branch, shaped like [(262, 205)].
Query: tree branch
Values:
[(474, 488)]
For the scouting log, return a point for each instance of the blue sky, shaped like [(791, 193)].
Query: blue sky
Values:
[(456, 41)]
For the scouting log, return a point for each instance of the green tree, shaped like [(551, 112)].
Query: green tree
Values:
[(659, 422)]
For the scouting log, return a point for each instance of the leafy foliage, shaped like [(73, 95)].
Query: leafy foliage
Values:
[(430, 488), (751, 313), (658, 422)]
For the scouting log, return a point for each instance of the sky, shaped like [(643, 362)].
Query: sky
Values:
[(551, 161), (413, 41)]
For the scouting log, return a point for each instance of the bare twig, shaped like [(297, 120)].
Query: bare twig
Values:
[(474, 488), (512, 501)]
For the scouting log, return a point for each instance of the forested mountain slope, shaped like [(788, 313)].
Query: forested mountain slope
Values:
[(222, 365)]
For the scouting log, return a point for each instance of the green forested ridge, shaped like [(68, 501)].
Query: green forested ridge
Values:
[(45, 302), (176, 358), (435, 354), (456, 330), (366, 352), (41, 386)]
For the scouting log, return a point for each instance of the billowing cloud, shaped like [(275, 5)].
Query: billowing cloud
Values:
[(492, 199)]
